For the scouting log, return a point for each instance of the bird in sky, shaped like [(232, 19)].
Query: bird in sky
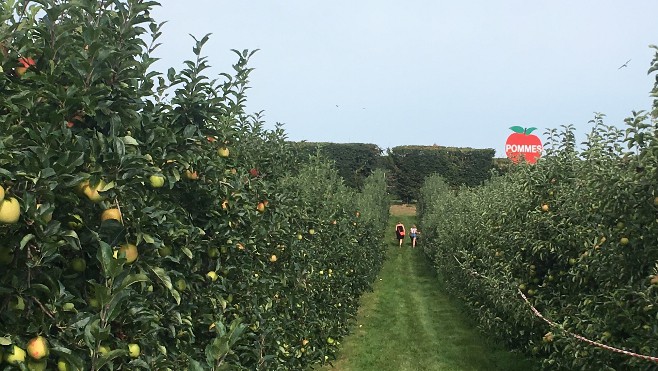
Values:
[(624, 65)]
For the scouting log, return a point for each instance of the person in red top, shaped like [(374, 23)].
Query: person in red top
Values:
[(400, 232)]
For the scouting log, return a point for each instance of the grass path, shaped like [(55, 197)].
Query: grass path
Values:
[(408, 323)]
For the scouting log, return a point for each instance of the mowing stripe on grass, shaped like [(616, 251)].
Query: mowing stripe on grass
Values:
[(408, 323)]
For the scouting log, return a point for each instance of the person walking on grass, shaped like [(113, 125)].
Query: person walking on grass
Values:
[(413, 234), (399, 232)]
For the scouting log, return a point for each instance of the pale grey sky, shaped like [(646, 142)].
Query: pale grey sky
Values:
[(455, 73)]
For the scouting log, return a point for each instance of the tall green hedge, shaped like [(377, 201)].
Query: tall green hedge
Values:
[(410, 165), (354, 161)]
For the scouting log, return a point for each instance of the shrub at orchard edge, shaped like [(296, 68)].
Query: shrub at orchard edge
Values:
[(148, 222), (575, 233)]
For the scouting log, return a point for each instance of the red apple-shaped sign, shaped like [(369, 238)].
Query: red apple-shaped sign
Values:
[(522, 144)]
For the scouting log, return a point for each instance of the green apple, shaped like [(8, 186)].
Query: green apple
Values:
[(164, 251), (181, 285), (213, 252), (94, 303), (36, 365), (19, 303), (79, 265), (6, 255), (157, 181)]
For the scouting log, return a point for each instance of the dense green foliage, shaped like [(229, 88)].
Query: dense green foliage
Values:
[(576, 233), (410, 165), (236, 255), (354, 161)]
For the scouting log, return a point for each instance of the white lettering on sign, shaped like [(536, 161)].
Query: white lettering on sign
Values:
[(524, 148)]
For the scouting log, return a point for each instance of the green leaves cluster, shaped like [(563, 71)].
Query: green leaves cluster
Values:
[(91, 114)]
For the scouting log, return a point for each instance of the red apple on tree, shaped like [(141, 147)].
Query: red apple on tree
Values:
[(25, 63), (523, 144)]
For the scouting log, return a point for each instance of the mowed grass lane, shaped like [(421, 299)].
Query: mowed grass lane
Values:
[(408, 323)]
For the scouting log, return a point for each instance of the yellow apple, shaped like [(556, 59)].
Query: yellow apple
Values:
[(624, 241), (111, 214), (75, 221), (212, 275), (223, 152), (273, 258), (18, 356), (181, 285), (191, 175), (10, 210), (260, 207), (157, 181), (37, 348), (131, 252), (311, 231), (62, 365), (92, 192), (2, 193), (102, 349), (133, 350)]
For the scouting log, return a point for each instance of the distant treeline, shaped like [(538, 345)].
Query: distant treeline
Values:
[(407, 167)]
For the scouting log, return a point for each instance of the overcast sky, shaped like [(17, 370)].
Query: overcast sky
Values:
[(452, 73)]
